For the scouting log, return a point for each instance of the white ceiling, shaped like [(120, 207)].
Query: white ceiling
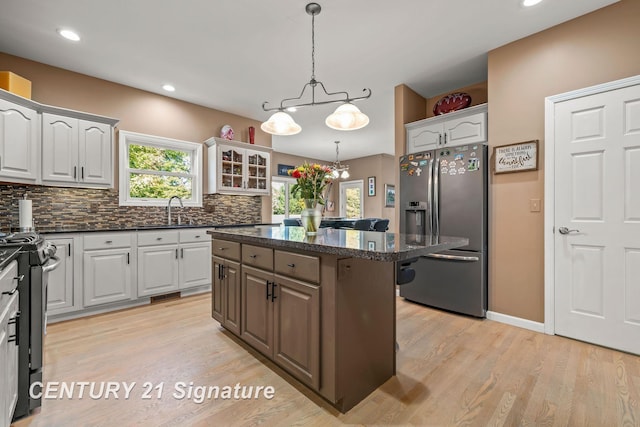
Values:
[(233, 55)]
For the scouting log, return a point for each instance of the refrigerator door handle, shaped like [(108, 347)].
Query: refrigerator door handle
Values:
[(430, 197), (454, 257), (436, 198)]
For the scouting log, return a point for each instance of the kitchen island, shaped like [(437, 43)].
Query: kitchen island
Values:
[(321, 307)]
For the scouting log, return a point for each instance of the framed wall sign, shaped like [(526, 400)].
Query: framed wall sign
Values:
[(282, 169), (522, 156), (389, 196), (372, 186)]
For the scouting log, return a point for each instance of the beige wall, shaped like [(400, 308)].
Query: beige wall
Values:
[(595, 48)]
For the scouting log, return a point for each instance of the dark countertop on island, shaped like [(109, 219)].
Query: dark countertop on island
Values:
[(371, 245)]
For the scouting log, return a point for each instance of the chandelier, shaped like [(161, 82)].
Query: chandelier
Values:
[(346, 117), (338, 170)]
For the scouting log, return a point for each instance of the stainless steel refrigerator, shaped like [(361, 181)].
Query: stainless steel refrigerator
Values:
[(444, 192)]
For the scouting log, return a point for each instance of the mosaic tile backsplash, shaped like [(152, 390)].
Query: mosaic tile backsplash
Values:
[(57, 209)]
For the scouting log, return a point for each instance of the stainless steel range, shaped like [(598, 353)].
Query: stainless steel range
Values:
[(35, 260)]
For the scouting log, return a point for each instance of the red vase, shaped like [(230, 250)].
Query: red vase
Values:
[(252, 135)]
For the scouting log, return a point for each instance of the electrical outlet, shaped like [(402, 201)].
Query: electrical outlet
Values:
[(534, 205)]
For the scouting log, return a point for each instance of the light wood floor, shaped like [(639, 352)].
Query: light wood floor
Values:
[(452, 370)]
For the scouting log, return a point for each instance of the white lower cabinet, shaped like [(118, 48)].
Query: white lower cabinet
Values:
[(157, 270), (108, 276), (169, 261), (195, 265), (8, 344), (61, 296), (102, 271)]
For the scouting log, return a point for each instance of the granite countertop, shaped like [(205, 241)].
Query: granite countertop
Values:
[(371, 245), (89, 229)]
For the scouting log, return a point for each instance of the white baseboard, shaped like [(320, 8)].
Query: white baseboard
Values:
[(516, 321)]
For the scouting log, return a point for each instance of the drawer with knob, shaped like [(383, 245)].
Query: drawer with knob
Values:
[(257, 256), (107, 240), (194, 236), (226, 249), (152, 238), (303, 267)]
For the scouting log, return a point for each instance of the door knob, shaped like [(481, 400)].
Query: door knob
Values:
[(565, 230)]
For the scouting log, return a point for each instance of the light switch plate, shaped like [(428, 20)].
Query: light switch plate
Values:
[(534, 205)]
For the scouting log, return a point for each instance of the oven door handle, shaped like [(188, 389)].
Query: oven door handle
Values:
[(50, 267)]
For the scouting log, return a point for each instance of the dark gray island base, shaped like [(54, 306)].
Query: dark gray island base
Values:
[(321, 307)]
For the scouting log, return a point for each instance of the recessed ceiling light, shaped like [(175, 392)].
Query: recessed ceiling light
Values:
[(169, 88), (528, 3), (69, 34)]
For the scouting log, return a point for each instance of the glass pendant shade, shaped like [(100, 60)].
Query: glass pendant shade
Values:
[(335, 174), (281, 123), (347, 117), (345, 175)]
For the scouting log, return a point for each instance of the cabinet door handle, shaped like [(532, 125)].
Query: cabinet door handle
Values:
[(75, 172), (445, 138), (181, 252), (127, 258), (222, 276), (176, 253), (82, 172), (219, 271), (198, 236), (253, 256), (158, 238), (267, 288), (69, 247), (222, 249), (273, 291), (291, 265), (11, 292), (440, 139), (16, 337), (108, 242), (20, 278)]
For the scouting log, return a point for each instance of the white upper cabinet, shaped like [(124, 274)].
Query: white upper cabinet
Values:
[(43, 144), (468, 126), (19, 140), (238, 168), (76, 152)]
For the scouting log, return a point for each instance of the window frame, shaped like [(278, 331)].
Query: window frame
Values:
[(288, 182), (126, 138)]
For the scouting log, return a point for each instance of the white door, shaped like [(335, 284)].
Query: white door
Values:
[(597, 200), (107, 276), (351, 199), (195, 265), (60, 285), (94, 155), (158, 269), (59, 148)]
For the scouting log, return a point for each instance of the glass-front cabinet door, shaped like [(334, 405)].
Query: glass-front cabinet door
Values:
[(258, 179), (232, 168)]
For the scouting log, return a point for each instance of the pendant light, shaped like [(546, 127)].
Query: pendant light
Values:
[(346, 117), (338, 170)]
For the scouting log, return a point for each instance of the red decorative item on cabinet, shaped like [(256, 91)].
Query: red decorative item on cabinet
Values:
[(452, 102), (252, 135)]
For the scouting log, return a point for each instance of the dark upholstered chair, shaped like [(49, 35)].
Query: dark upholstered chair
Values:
[(292, 222), (381, 225), (364, 224)]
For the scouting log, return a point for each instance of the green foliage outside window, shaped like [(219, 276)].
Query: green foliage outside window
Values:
[(175, 181)]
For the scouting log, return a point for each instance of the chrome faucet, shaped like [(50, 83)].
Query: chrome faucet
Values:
[(169, 208)]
